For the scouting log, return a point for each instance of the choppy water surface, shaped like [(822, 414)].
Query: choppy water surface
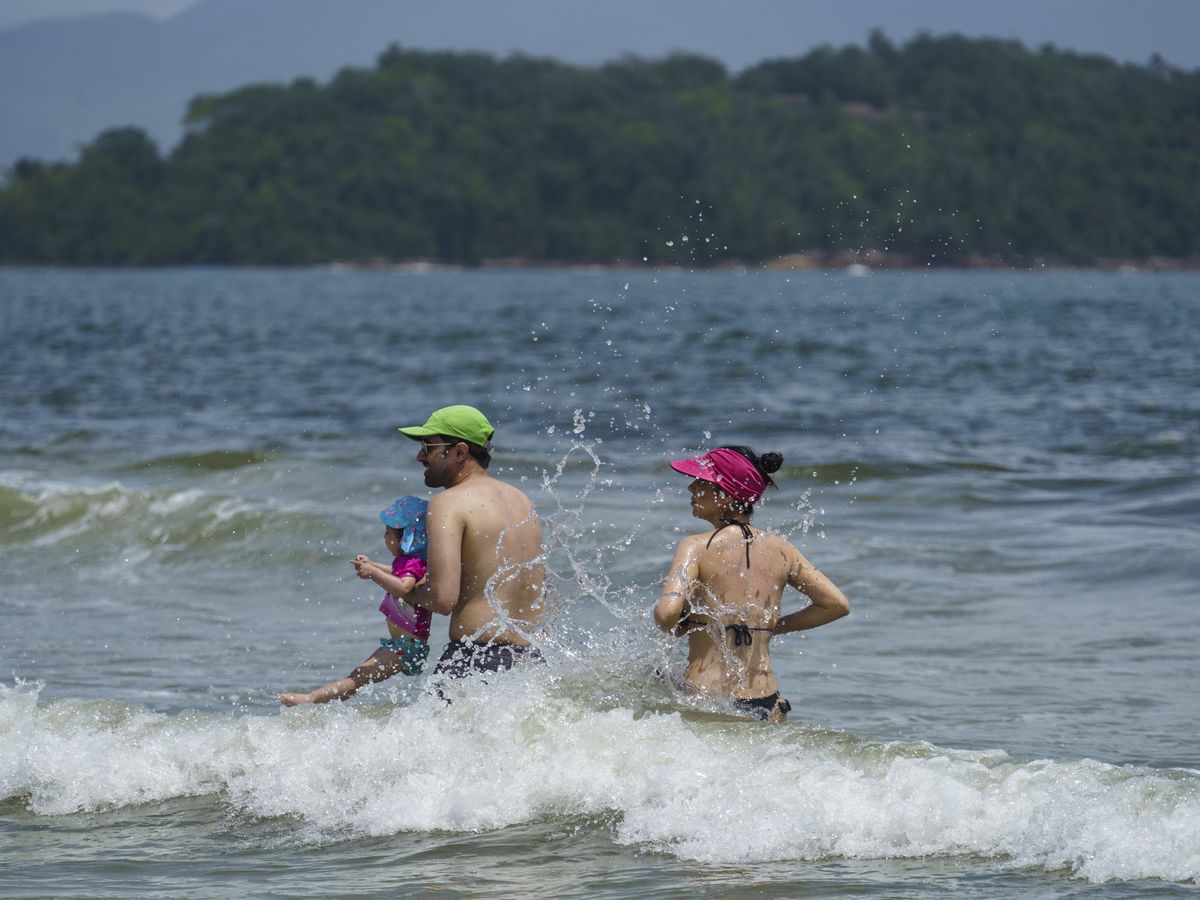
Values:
[(999, 469)]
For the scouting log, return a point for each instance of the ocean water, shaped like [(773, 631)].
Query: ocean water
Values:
[(998, 468)]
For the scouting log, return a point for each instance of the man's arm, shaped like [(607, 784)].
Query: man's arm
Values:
[(828, 603), (672, 603), (439, 591)]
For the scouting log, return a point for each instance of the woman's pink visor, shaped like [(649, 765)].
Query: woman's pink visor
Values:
[(728, 470)]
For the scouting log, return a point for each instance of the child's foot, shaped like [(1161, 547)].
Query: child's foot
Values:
[(294, 699)]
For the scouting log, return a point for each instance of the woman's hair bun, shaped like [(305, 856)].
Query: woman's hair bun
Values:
[(770, 462)]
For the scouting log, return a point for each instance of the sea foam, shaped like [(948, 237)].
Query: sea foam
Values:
[(530, 747)]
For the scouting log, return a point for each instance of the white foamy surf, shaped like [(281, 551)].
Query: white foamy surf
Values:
[(536, 746)]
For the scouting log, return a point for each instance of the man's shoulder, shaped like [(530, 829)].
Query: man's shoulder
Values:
[(449, 499), (518, 504), (482, 487), (510, 489)]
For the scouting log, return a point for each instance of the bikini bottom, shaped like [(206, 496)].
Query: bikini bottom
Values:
[(762, 707), (412, 653)]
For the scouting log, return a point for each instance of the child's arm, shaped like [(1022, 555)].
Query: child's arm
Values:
[(373, 571), (397, 587)]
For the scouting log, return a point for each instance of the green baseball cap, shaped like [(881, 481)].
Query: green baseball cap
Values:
[(465, 422)]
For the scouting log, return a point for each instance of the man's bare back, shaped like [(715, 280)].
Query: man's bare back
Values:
[(500, 572)]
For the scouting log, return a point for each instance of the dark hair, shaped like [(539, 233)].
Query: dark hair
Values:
[(481, 455), (765, 464)]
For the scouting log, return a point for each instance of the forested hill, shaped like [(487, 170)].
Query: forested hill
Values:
[(942, 150)]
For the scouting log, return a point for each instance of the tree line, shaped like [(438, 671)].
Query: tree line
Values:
[(942, 149)]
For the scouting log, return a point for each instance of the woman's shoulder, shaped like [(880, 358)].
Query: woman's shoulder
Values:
[(690, 548), (759, 536), (773, 539), (721, 540), (784, 546), (698, 539)]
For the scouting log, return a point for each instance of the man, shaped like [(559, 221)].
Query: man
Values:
[(485, 547)]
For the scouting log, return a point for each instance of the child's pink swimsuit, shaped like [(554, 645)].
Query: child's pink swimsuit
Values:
[(413, 619)]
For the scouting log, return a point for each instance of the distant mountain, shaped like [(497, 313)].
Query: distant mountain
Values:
[(62, 81)]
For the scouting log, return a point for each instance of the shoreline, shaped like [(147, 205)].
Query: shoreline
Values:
[(851, 262)]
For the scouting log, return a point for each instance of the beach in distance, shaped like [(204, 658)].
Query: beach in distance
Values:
[(997, 467), (858, 262)]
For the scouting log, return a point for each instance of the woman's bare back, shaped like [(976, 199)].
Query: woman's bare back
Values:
[(733, 610)]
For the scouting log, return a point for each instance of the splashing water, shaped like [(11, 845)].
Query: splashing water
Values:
[(689, 784)]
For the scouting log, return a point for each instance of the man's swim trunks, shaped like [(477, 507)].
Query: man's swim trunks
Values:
[(762, 707), (412, 653), (462, 658)]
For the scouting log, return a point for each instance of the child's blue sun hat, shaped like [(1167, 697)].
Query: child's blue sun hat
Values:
[(409, 513)]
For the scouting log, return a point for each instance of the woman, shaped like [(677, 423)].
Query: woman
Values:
[(725, 585)]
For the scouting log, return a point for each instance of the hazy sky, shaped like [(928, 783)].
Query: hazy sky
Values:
[(1125, 29), (61, 86), (14, 12)]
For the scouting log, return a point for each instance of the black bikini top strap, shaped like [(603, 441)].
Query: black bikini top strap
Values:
[(747, 536), (741, 633)]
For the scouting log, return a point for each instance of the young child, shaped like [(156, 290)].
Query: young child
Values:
[(408, 625)]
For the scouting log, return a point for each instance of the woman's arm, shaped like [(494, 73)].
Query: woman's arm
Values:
[(828, 603), (672, 604)]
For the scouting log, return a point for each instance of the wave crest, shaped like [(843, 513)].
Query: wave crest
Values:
[(521, 749)]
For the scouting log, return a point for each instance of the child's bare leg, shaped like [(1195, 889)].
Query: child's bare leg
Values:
[(335, 690), (380, 665)]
